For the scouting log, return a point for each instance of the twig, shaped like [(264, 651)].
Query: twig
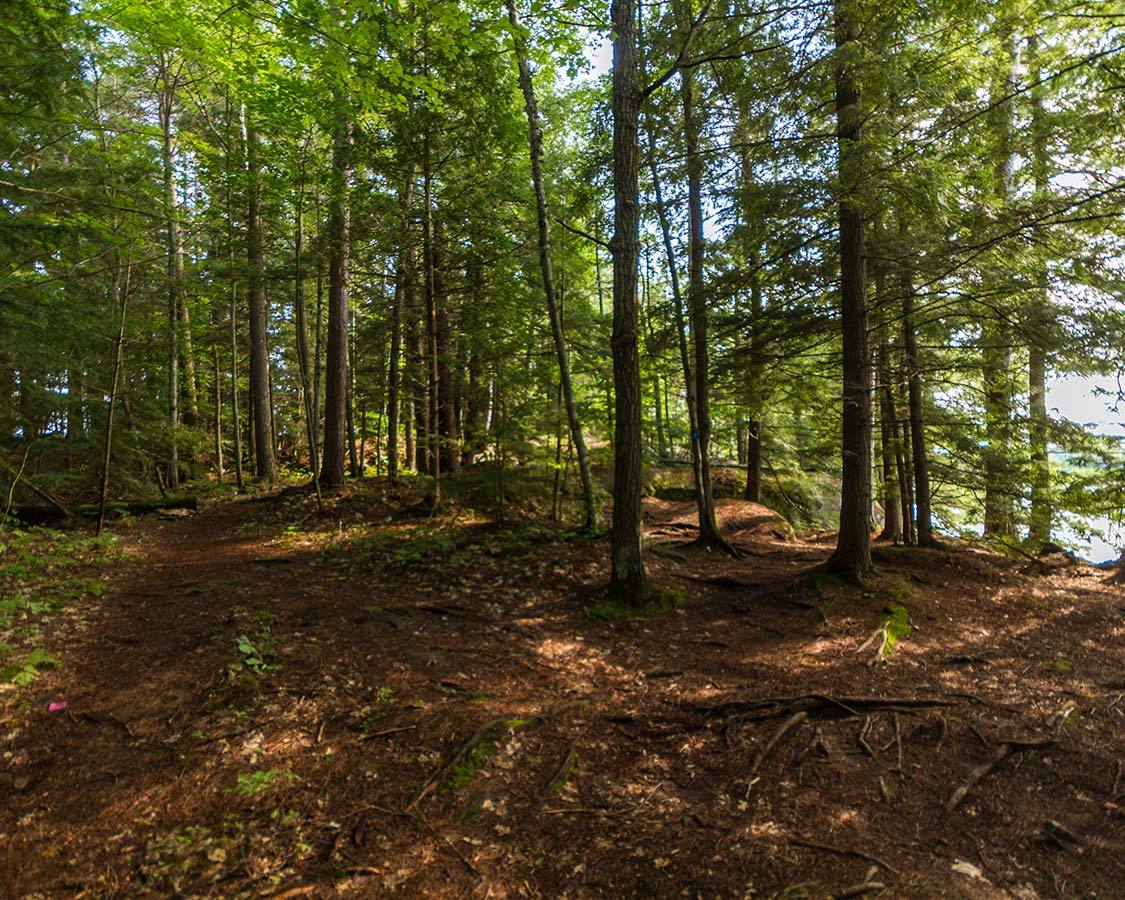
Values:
[(387, 731)]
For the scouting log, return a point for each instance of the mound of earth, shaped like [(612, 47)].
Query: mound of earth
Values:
[(736, 518)]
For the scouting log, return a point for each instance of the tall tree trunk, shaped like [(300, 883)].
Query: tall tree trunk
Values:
[(355, 466), (265, 463), (756, 376), (430, 327), (922, 506), (443, 349), (117, 297), (709, 535), (628, 583), (888, 428), (681, 326), (1038, 317), (217, 377), (888, 439), (336, 355), (300, 327), (535, 149), (394, 373), (996, 337), (175, 262), (852, 555)]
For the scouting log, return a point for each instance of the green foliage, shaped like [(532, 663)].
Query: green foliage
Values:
[(262, 781), (253, 652), (26, 670)]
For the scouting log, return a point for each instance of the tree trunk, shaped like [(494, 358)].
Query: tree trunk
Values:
[(175, 263), (1039, 532), (394, 373), (923, 518), (265, 462), (888, 438), (628, 583), (336, 354), (756, 376), (116, 294), (852, 555), (535, 149), (301, 329), (697, 309), (996, 338), (681, 326)]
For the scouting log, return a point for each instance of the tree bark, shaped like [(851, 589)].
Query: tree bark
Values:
[(1038, 322), (628, 583), (116, 296), (336, 352), (535, 150), (852, 555), (709, 535), (175, 262), (923, 516), (996, 337), (265, 462), (300, 328), (394, 369)]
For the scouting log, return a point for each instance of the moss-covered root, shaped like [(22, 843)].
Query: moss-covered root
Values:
[(895, 626), (561, 774), (660, 602), (460, 767)]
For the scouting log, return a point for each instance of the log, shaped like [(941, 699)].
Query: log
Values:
[(44, 515)]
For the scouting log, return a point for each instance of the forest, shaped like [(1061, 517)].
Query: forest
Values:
[(544, 449)]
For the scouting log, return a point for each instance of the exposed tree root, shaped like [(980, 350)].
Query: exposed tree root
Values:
[(821, 706), (788, 725), (561, 773), (1001, 753), (845, 851)]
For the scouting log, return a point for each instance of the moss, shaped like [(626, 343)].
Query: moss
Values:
[(660, 602), (474, 759), (896, 620)]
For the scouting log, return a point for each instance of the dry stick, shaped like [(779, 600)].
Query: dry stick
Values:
[(12, 489), (42, 492), (998, 756), (844, 851), (388, 731)]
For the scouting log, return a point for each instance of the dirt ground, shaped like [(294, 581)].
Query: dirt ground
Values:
[(264, 702)]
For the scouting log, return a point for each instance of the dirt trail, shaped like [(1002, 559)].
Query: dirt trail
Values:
[(258, 698)]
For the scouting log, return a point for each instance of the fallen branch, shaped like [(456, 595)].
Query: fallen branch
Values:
[(998, 756), (34, 488)]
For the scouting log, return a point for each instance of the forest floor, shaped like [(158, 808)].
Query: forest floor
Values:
[(261, 701)]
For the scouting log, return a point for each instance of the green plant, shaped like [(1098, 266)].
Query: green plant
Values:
[(263, 780), (27, 669)]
